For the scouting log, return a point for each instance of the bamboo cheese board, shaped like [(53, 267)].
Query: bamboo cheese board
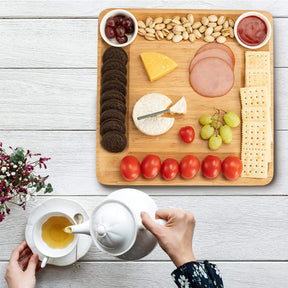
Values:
[(175, 85)]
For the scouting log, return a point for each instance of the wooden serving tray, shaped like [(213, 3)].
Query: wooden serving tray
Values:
[(175, 85)]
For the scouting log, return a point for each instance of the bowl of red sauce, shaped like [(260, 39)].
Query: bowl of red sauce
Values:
[(252, 30)]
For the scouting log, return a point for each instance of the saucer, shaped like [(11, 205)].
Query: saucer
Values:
[(69, 208)]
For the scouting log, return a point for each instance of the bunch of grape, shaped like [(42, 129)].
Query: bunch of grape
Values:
[(217, 129), (118, 26)]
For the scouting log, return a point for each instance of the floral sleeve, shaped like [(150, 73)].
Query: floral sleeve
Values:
[(198, 275)]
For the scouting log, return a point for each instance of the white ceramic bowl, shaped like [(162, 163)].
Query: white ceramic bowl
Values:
[(261, 16), (114, 42)]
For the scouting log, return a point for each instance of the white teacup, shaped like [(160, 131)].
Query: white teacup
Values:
[(42, 246)]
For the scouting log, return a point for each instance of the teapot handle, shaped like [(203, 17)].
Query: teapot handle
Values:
[(159, 221)]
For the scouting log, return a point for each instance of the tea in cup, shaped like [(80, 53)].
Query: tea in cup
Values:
[(50, 238)]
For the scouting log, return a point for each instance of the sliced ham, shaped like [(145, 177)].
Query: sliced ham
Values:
[(217, 46), (212, 77), (215, 52)]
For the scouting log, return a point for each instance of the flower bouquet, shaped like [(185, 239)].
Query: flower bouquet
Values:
[(18, 181)]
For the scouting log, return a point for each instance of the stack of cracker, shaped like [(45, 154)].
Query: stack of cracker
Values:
[(256, 118)]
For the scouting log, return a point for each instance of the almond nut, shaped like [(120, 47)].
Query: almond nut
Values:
[(221, 39), (141, 24), (177, 38), (209, 38)]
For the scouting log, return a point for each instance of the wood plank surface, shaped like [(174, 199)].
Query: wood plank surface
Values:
[(154, 275), (68, 43), (69, 95), (92, 8), (72, 168), (235, 225)]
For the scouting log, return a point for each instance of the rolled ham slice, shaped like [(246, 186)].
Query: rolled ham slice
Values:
[(216, 52), (212, 77), (217, 46)]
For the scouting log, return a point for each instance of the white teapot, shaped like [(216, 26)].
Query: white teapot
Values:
[(116, 226)]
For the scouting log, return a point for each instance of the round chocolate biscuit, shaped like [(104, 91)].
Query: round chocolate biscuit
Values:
[(114, 85), (112, 94), (115, 53), (112, 114), (113, 104), (113, 64), (114, 75), (112, 125), (114, 141)]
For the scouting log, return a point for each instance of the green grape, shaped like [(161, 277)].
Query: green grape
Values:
[(215, 142), (232, 119), (226, 134), (205, 119), (216, 124), (206, 132)]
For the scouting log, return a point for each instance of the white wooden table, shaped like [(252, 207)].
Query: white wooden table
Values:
[(48, 68)]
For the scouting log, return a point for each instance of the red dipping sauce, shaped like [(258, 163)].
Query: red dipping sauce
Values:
[(252, 30)]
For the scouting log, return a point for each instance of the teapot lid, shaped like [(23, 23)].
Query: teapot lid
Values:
[(113, 227)]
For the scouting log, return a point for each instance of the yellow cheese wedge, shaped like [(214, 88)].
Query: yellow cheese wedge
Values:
[(157, 65)]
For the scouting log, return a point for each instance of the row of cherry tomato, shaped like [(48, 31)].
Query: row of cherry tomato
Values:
[(189, 166)]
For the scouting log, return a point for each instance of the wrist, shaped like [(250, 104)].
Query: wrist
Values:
[(180, 260)]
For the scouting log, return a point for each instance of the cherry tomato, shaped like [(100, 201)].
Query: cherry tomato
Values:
[(232, 167), (211, 166), (189, 166), (169, 169), (187, 134), (150, 166), (130, 168)]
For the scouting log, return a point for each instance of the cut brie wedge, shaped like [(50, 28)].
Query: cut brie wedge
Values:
[(151, 103), (179, 107)]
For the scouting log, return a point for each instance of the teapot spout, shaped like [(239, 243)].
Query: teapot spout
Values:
[(83, 228)]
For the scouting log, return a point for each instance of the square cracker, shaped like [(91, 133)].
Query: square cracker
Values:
[(255, 164), (257, 60), (254, 135), (255, 114), (257, 78), (254, 96)]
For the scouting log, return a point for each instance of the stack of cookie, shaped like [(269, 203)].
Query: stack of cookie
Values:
[(113, 100)]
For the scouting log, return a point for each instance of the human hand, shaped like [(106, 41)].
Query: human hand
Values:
[(175, 238), (22, 267)]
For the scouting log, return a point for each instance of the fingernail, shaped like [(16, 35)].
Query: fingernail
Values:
[(142, 214)]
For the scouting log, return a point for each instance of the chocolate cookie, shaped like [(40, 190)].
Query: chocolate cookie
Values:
[(112, 125), (113, 104), (114, 75), (112, 94), (113, 141), (115, 53), (114, 85), (113, 64), (112, 114)]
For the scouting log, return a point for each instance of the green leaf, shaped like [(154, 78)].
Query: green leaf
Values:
[(49, 188), (18, 155)]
